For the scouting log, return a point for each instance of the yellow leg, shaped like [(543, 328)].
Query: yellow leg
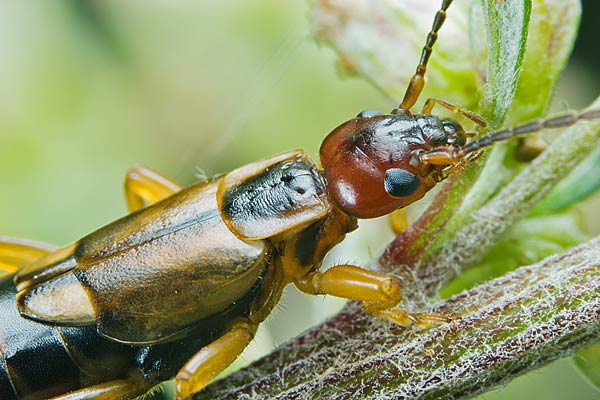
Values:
[(404, 318), (16, 253), (144, 186), (112, 390), (398, 221), (457, 164), (454, 157), (428, 107), (379, 293), (463, 162), (209, 362)]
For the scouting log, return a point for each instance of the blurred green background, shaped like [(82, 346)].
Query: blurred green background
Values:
[(91, 88)]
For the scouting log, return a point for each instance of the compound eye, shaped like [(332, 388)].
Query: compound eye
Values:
[(400, 183), (368, 114)]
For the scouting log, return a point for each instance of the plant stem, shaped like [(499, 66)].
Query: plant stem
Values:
[(504, 328)]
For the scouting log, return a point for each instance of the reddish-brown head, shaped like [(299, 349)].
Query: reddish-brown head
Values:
[(371, 162)]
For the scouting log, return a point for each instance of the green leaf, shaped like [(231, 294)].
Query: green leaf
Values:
[(587, 362), (507, 27), (552, 33), (577, 186)]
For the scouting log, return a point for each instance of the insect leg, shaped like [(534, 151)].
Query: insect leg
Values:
[(404, 318), (144, 186), (211, 360), (431, 102), (111, 390), (379, 293), (438, 176), (398, 220), (16, 253), (417, 82)]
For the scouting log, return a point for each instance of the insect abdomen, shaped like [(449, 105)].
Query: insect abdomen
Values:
[(39, 361), (28, 349)]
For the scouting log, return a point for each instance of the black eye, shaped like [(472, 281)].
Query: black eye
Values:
[(400, 183), (368, 114)]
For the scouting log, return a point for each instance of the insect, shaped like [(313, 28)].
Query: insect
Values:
[(178, 287)]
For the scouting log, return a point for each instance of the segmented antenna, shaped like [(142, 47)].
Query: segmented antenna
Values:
[(528, 128), (417, 82)]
